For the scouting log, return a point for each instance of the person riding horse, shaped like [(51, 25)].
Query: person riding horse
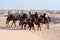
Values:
[(9, 14), (36, 15), (13, 18), (29, 14), (44, 16), (23, 19)]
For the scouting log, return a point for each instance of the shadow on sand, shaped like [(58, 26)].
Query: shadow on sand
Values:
[(10, 28)]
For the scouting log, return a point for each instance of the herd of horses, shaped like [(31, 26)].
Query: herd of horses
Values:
[(23, 21)]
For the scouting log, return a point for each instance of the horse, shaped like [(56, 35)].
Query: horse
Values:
[(34, 20), (31, 22), (12, 18), (46, 21), (23, 21)]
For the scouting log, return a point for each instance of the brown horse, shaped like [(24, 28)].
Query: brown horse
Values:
[(42, 21), (24, 21), (31, 22), (12, 18)]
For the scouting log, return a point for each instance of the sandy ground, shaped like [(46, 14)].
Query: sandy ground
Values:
[(52, 34), (8, 34)]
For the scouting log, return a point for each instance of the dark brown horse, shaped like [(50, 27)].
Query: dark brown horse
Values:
[(12, 18), (42, 21), (24, 21), (31, 22), (36, 22)]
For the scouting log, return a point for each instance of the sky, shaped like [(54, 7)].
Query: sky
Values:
[(29, 4)]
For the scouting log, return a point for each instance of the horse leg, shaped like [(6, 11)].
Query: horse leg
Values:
[(19, 24), (25, 26), (39, 27), (7, 23), (11, 24), (15, 24), (33, 27), (29, 28), (47, 25)]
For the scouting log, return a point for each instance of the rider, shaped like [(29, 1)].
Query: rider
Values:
[(16, 14), (44, 16), (9, 14), (29, 14), (36, 15), (22, 13)]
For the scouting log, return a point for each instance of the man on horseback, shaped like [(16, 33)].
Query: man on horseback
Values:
[(36, 15), (22, 13), (44, 16), (29, 14), (9, 12), (10, 15), (22, 16), (23, 19)]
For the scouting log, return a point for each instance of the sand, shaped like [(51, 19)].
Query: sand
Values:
[(52, 34)]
